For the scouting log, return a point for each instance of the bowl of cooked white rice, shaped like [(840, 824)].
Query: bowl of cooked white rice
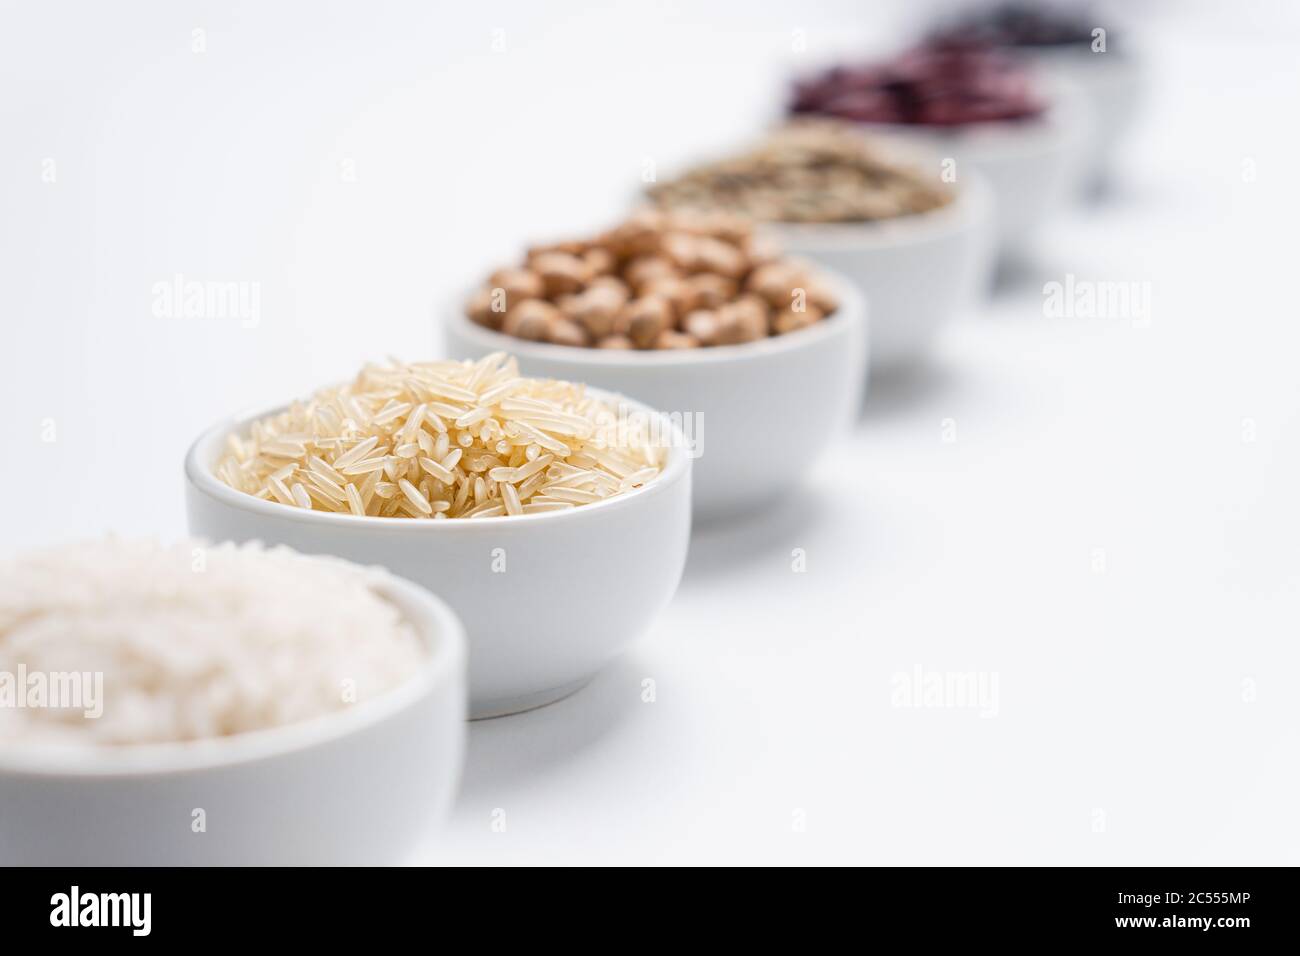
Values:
[(554, 519), (220, 705)]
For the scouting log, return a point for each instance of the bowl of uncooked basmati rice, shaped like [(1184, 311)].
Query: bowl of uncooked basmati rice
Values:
[(221, 704), (553, 518)]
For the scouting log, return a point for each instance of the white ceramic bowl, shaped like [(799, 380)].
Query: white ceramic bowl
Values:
[(1111, 86), (546, 599), (1033, 168), (357, 787), (756, 414), (917, 271)]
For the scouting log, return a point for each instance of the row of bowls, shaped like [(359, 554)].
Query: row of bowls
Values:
[(579, 585)]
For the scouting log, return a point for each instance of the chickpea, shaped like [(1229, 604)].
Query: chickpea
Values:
[(597, 308), (531, 319), (671, 288), (708, 291), (564, 331), (741, 322), (683, 250), (760, 251), (639, 235), (481, 309), (517, 283), (702, 325), (647, 268), (672, 339), (718, 257), (790, 321), (572, 247), (561, 273), (820, 296), (646, 318), (776, 282), (616, 342), (600, 261)]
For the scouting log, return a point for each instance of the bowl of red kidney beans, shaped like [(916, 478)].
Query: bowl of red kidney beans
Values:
[(976, 109), (1073, 44), (936, 85)]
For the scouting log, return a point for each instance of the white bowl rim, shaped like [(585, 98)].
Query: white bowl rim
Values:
[(850, 314), (972, 206), (200, 475), (439, 629)]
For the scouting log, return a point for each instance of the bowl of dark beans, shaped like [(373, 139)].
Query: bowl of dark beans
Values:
[(978, 110)]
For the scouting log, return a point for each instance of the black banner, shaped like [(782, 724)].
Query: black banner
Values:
[(1173, 906)]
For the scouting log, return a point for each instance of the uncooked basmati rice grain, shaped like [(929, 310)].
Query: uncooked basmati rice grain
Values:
[(511, 498), (442, 439), (537, 506), (436, 469), (575, 495), (356, 452), (413, 495), (192, 640)]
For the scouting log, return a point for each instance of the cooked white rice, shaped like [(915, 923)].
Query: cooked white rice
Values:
[(443, 440), (193, 641)]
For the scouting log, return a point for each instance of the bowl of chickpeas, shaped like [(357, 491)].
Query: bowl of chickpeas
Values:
[(758, 357)]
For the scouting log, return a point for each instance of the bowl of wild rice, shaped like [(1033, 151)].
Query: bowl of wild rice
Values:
[(698, 317), (553, 518), (917, 247), (199, 704)]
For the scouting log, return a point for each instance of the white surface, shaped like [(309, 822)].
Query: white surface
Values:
[(1120, 692)]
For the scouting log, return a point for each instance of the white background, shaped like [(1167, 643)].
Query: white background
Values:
[(1146, 713)]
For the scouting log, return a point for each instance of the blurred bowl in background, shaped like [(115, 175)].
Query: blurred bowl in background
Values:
[(1032, 167), (357, 787), (918, 271), (1078, 45), (1110, 84), (547, 599), (757, 414)]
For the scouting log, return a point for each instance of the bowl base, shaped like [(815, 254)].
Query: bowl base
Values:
[(505, 706)]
